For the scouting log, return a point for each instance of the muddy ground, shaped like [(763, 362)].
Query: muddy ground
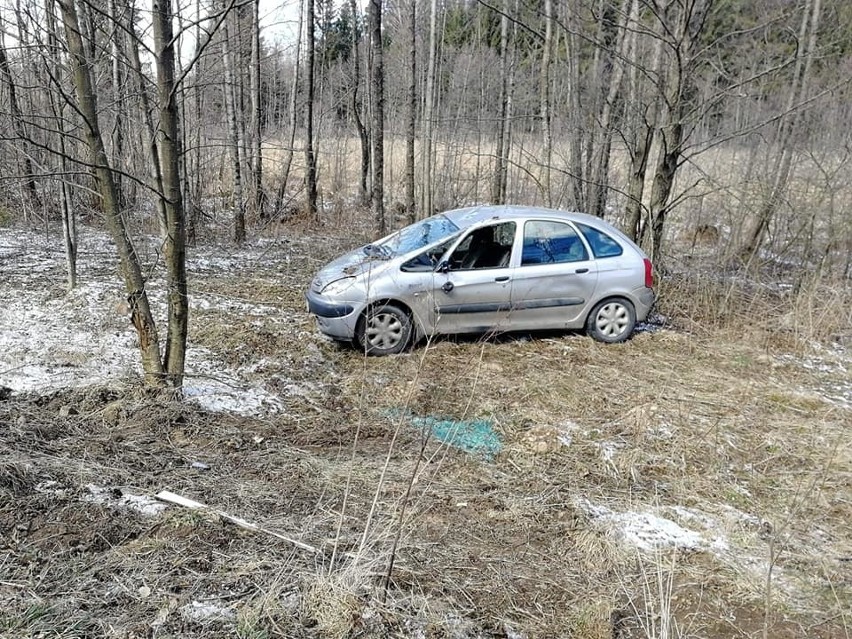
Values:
[(693, 482)]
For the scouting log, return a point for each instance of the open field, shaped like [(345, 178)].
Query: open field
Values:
[(695, 481)]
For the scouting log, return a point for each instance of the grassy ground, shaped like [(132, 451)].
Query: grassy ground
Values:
[(692, 482)]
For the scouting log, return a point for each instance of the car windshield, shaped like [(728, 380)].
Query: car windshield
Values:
[(419, 235)]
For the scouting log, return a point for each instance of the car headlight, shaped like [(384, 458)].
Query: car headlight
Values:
[(338, 286)]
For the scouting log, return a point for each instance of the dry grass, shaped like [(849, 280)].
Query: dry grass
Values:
[(719, 423)]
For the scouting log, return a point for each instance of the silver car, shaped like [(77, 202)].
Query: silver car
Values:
[(485, 269)]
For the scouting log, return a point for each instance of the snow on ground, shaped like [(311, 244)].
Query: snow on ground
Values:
[(51, 338)]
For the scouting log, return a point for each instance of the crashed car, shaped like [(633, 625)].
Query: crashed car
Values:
[(485, 269)]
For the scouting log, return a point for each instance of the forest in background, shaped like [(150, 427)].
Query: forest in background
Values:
[(721, 122)]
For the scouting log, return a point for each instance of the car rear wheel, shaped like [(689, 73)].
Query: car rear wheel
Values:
[(385, 329), (611, 321)]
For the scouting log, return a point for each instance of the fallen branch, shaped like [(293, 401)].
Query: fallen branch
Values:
[(179, 500)]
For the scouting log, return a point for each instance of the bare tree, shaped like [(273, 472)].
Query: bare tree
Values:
[(411, 115), (292, 123), (18, 126), (377, 88), (544, 103), (310, 156), (256, 113), (787, 128), (234, 143), (175, 242), (427, 145), (134, 282)]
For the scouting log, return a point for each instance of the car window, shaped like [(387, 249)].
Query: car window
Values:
[(485, 247), (428, 259), (550, 243), (602, 244)]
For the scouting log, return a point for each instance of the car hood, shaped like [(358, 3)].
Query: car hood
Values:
[(350, 264)]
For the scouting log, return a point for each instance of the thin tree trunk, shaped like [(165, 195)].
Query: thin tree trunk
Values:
[(690, 21), (498, 181), (643, 136), (69, 220), (175, 245), (18, 127), (310, 157), (153, 147), (786, 130), (118, 97), (576, 130), (427, 150), (356, 110), (599, 174), (411, 123), (256, 122), (134, 282), (294, 90), (234, 144), (544, 103), (377, 84)]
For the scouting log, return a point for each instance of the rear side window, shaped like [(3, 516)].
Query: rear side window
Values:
[(551, 242), (602, 244)]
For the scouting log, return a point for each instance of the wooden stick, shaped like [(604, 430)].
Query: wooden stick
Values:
[(180, 500)]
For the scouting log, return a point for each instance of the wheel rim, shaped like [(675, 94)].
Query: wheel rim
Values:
[(384, 331), (612, 320)]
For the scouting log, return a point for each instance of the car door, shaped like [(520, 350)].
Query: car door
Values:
[(473, 287), (555, 280)]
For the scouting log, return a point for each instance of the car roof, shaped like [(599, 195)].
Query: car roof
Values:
[(473, 215)]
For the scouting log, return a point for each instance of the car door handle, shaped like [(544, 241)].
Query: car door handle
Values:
[(582, 270), (447, 287), (502, 278)]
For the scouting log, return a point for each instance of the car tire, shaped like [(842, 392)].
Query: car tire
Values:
[(384, 329), (611, 320)]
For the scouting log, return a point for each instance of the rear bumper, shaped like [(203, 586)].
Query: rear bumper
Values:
[(645, 299)]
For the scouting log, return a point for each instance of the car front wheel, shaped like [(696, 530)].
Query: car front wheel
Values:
[(384, 330), (611, 321)]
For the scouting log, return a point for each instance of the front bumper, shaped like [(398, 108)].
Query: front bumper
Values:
[(335, 319)]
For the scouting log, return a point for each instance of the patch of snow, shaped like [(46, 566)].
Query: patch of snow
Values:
[(609, 449), (52, 339), (142, 504), (219, 397), (644, 530), (201, 612)]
